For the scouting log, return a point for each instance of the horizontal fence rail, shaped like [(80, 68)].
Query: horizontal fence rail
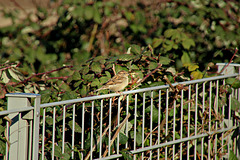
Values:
[(193, 120)]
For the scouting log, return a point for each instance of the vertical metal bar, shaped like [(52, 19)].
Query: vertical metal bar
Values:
[(209, 123), (222, 123), (216, 112), (229, 111), (92, 125), (196, 119), (101, 125), (135, 125), (30, 140), (151, 123), (7, 136), (159, 120), (229, 125), (110, 119), (166, 129), (43, 133), (63, 135), (189, 112), (73, 130), (143, 122), (118, 122), (127, 111), (53, 130), (174, 126), (181, 125), (83, 125), (203, 110), (36, 123)]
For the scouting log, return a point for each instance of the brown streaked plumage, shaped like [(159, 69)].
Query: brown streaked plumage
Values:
[(117, 83)]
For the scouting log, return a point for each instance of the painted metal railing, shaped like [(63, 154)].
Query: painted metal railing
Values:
[(192, 120)]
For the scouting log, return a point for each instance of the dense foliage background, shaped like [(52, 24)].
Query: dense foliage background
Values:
[(73, 56), (199, 32)]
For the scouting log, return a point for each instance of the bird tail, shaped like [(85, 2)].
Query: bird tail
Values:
[(99, 89)]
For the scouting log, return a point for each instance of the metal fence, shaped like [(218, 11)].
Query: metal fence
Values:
[(193, 120)]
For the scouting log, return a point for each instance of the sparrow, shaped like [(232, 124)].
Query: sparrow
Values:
[(116, 83)]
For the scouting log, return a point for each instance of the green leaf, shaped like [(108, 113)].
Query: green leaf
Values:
[(100, 59), (84, 70), (95, 82), (87, 77), (152, 65), (83, 91), (123, 138), (155, 115), (49, 120), (187, 43), (126, 57), (127, 155), (78, 12), (132, 67), (192, 67), (64, 86), (164, 60), (78, 129), (59, 154), (234, 82), (103, 79), (76, 84), (196, 75), (157, 42), (235, 104), (171, 112), (97, 17), (153, 84), (96, 67), (168, 45), (88, 12), (185, 58), (118, 68), (2, 147), (69, 95), (139, 138), (76, 76), (232, 156), (136, 49), (169, 33)]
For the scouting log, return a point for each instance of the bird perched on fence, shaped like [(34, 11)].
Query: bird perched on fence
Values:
[(116, 83)]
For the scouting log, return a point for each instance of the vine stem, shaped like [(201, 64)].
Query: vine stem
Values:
[(44, 73), (236, 50)]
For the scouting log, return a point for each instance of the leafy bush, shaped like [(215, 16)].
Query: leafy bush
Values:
[(75, 55)]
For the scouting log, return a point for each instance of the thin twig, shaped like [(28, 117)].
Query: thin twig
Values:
[(149, 74), (43, 73), (115, 135), (8, 67), (98, 140), (236, 50)]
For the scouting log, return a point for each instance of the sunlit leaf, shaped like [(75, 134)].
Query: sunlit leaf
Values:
[(192, 67), (196, 75)]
